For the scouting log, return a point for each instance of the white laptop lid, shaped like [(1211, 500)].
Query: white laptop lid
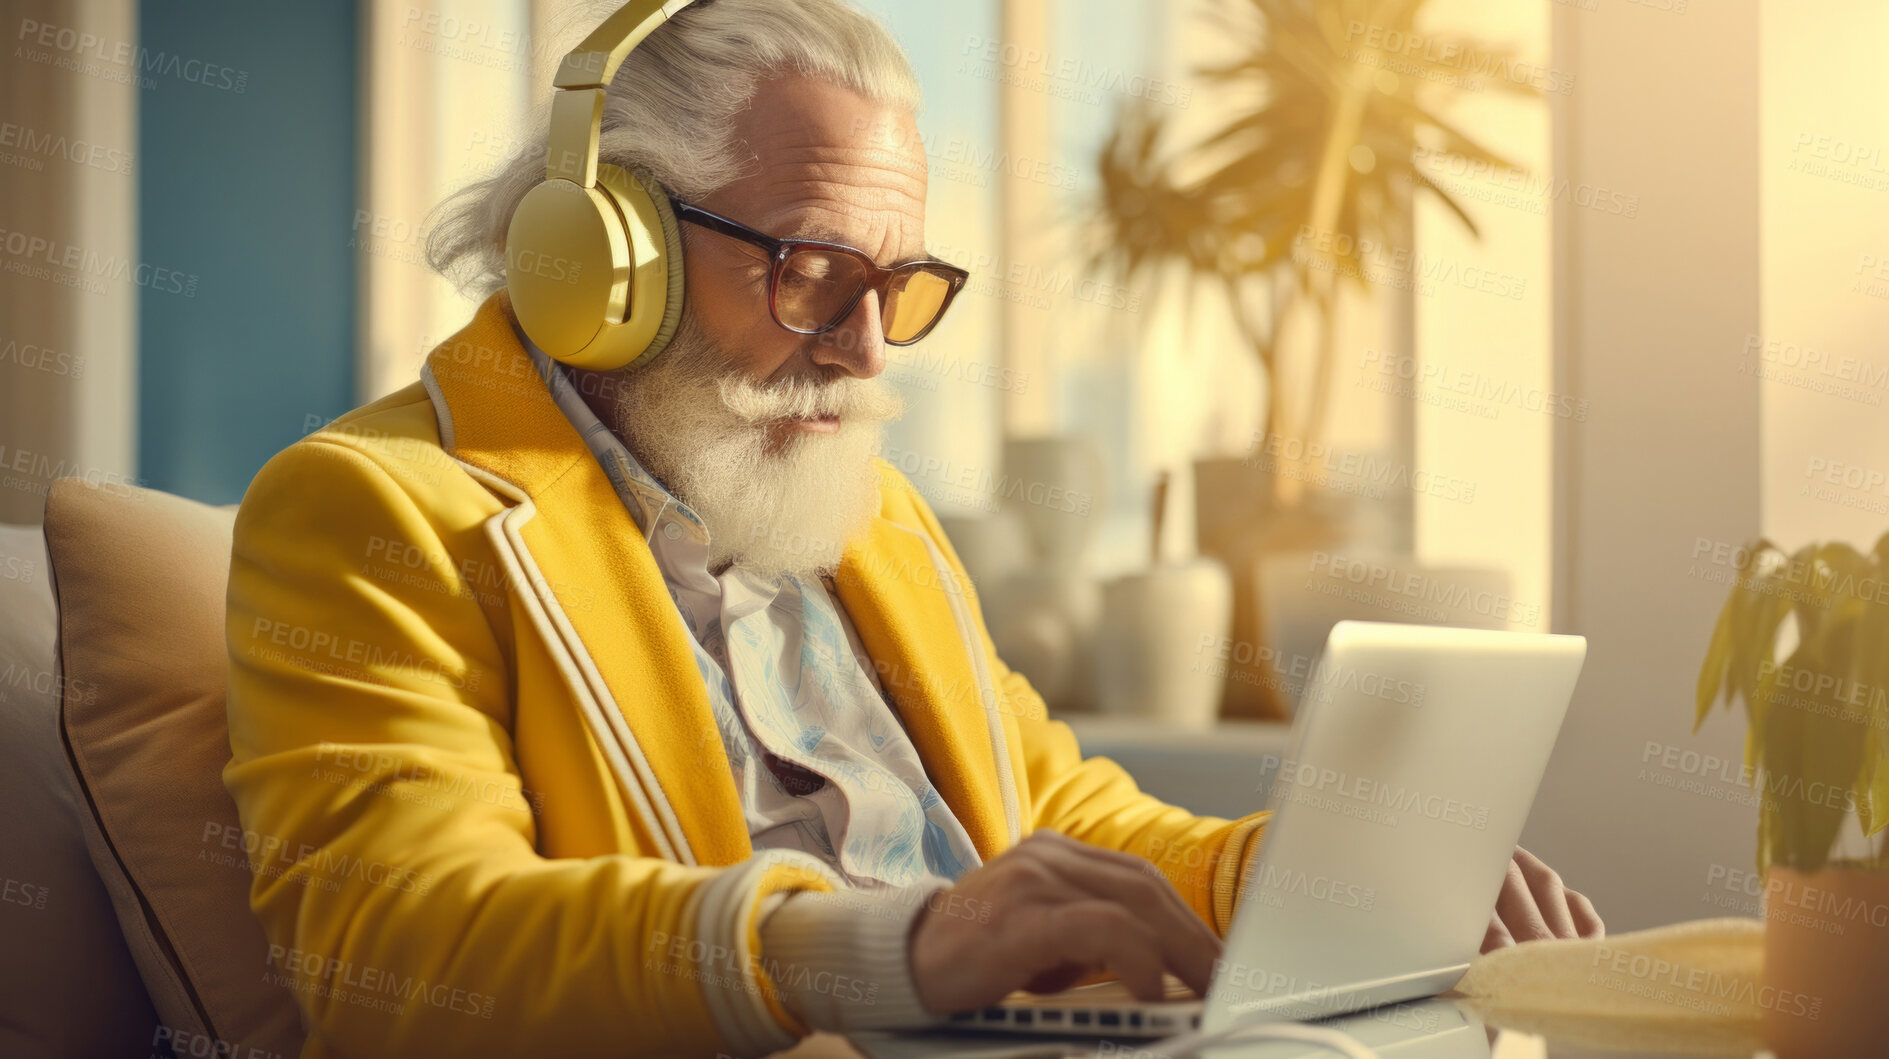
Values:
[(1418, 751)]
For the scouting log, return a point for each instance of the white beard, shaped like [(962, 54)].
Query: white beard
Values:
[(701, 427)]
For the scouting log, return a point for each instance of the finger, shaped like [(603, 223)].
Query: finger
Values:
[(1028, 878), (1551, 897), (1188, 947), (1095, 933), (1586, 920), (1122, 866), (1056, 979), (1126, 867), (1517, 908), (1497, 936), (1103, 855)]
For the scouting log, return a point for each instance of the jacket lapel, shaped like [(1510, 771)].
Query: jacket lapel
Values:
[(592, 572), (900, 595)]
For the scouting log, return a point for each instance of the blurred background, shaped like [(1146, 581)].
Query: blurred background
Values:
[(1517, 315)]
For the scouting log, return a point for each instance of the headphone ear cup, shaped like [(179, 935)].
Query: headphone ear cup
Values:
[(674, 277), (568, 264), (656, 285)]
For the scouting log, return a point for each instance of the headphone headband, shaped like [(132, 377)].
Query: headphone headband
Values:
[(582, 78)]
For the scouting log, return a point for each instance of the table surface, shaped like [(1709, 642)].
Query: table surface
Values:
[(1411, 1029)]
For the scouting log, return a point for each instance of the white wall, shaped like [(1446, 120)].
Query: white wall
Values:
[(1485, 406), (446, 96), (1824, 160), (1652, 313)]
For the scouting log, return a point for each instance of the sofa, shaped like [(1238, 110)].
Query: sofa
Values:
[(124, 873)]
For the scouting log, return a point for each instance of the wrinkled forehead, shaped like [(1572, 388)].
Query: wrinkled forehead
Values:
[(829, 163)]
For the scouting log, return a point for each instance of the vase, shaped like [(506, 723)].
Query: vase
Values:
[(1237, 522), (1054, 485), (993, 547), (1826, 961), (1157, 651), (1040, 601)]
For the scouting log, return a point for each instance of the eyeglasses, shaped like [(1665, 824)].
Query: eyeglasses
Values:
[(813, 286)]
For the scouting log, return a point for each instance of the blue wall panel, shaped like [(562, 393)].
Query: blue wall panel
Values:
[(247, 188)]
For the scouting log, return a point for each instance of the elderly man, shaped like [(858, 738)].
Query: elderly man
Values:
[(643, 709)]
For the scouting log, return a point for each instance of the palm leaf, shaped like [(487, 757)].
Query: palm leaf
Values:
[(1718, 658), (1823, 752), (1454, 141), (1228, 205), (1764, 604), (1866, 673)]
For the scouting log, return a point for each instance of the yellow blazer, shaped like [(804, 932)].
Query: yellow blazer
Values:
[(483, 791)]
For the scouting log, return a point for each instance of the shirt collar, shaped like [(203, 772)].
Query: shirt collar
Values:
[(646, 498)]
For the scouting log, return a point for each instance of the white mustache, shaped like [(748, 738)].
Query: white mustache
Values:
[(849, 399)]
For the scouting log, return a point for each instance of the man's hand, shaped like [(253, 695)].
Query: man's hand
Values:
[(1534, 905), (1058, 910)]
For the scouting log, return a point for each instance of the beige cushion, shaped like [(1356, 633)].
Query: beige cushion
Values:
[(67, 983), (141, 577)]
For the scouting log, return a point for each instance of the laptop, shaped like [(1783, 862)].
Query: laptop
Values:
[(1417, 751)]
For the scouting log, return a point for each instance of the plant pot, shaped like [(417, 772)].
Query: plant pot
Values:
[(1157, 645), (1237, 523), (1826, 961)]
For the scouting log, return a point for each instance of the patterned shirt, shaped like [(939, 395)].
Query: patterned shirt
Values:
[(821, 760)]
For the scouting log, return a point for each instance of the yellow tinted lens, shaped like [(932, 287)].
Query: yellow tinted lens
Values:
[(913, 303), (814, 287)]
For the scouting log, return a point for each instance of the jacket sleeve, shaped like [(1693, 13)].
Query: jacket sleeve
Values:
[(1095, 800), (393, 842)]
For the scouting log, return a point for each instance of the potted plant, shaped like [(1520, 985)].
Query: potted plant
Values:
[(1341, 107), (1817, 750)]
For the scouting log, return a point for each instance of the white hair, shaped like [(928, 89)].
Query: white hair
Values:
[(671, 108)]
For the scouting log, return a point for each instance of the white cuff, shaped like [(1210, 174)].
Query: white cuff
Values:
[(839, 960), (724, 910)]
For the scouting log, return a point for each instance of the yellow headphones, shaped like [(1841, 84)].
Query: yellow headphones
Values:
[(593, 257)]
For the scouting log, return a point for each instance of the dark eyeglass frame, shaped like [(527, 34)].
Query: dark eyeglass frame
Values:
[(878, 279)]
